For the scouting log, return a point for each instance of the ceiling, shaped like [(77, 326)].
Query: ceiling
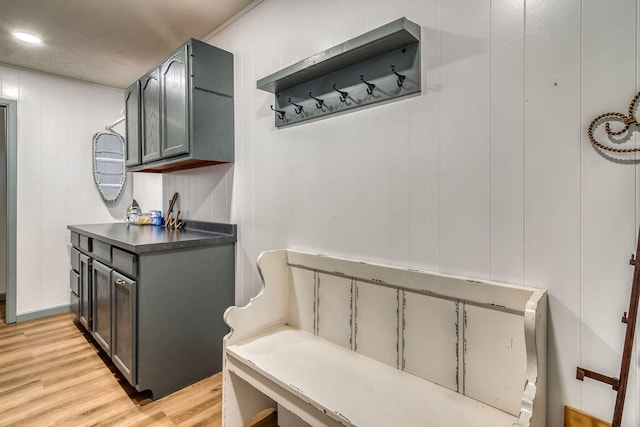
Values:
[(108, 42)]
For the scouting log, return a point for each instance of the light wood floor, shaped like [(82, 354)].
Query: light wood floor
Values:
[(52, 374)]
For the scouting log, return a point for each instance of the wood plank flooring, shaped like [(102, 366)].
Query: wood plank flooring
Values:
[(52, 374), (575, 418)]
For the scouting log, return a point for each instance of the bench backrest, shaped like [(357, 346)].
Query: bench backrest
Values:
[(484, 340)]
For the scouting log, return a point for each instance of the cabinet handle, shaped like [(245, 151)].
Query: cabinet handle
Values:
[(120, 282)]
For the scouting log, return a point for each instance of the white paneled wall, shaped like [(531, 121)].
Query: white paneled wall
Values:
[(606, 237), (147, 191), (56, 121), (488, 173)]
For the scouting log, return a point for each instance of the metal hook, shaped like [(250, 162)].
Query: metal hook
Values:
[(401, 77), (280, 113), (298, 107), (370, 86), (343, 94), (319, 103)]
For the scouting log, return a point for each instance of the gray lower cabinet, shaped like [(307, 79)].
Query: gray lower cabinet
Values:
[(102, 305), (124, 325), (74, 280), (74, 285), (159, 314), (85, 291)]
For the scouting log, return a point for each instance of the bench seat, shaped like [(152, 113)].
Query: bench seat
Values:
[(355, 389)]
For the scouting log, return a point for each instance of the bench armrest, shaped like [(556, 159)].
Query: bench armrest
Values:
[(269, 307), (533, 407)]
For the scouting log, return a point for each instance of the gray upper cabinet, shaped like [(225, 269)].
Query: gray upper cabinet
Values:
[(132, 115), (150, 100), (175, 96), (189, 96)]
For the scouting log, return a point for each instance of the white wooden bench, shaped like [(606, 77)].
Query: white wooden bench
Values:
[(342, 342)]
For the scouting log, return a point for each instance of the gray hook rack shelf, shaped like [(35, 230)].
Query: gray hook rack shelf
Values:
[(381, 65)]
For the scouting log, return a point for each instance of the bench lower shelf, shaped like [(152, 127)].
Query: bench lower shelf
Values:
[(312, 374)]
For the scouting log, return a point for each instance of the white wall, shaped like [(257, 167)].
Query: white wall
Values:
[(147, 191), (488, 173), (57, 119)]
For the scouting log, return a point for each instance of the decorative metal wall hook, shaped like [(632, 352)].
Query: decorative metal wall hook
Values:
[(343, 94), (370, 86), (401, 77), (280, 113), (298, 107), (319, 102)]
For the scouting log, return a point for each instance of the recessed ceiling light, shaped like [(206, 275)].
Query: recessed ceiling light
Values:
[(26, 37)]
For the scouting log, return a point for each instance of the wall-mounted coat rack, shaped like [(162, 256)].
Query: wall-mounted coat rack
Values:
[(381, 65)]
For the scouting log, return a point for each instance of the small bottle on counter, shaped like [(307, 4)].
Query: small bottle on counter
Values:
[(156, 217)]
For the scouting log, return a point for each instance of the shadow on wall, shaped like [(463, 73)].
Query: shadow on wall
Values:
[(453, 47), (558, 315)]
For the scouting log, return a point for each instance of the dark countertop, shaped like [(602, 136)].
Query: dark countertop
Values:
[(142, 239)]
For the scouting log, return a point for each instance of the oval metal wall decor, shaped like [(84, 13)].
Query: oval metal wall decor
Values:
[(108, 165)]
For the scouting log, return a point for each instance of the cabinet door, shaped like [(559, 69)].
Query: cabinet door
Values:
[(74, 303), (101, 292), (150, 95), (74, 284), (85, 291), (132, 115), (124, 323), (175, 104)]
